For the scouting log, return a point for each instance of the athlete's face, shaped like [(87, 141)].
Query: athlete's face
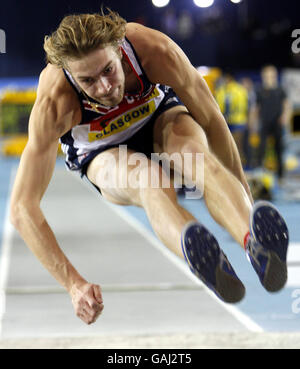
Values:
[(100, 74)]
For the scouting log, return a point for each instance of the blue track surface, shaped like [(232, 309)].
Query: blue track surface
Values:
[(18, 83), (273, 312), (6, 166)]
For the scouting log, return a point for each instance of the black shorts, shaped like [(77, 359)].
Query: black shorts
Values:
[(142, 141)]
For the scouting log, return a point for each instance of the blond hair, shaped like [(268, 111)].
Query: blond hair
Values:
[(78, 35)]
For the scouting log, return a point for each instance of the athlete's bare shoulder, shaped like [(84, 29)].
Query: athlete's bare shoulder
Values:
[(56, 101), (52, 77), (53, 84), (162, 59), (56, 109), (145, 40), (141, 35)]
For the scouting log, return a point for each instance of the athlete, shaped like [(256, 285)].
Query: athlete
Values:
[(107, 83)]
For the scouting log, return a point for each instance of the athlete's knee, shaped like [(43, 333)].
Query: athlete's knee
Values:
[(154, 182), (191, 146), (183, 131), (154, 176), (196, 144), (202, 155), (191, 131)]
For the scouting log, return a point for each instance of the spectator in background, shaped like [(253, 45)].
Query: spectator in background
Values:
[(232, 98), (273, 112), (169, 22), (185, 25), (251, 125)]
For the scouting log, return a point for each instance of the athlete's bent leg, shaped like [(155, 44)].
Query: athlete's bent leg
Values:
[(173, 225), (166, 216), (225, 197), (229, 204)]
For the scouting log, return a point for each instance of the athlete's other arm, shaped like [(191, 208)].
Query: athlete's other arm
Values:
[(165, 63), (52, 115)]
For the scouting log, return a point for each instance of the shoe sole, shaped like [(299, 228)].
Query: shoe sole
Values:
[(204, 257), (269, 230)]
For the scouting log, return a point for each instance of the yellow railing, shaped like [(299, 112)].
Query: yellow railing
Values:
[(15, 108)]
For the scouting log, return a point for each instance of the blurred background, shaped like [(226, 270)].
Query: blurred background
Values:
[(248, 51), (229, 41), (244, 35)]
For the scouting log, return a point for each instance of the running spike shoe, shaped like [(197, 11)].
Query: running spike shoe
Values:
[(267, 245), (208, 262)]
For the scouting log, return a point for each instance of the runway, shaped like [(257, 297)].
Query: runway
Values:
[(151, 298)]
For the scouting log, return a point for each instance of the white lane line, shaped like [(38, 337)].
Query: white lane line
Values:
[(293, 277), (293, 260), (180, 264), (5, 253), (293, 252), (128, 287)]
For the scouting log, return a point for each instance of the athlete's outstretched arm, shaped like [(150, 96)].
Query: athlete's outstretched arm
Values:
[(47, 123)]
